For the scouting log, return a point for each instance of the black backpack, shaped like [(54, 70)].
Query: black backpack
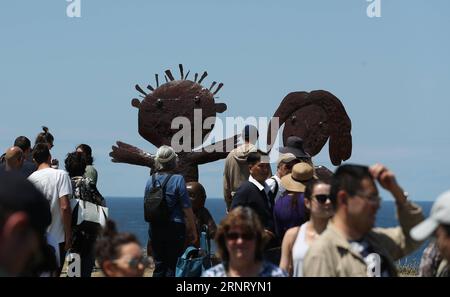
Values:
[(155, 204)]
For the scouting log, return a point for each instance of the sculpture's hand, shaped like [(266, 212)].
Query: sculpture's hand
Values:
[(126, 153)]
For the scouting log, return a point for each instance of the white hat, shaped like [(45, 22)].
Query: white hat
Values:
[(440, 214), (165, 153)]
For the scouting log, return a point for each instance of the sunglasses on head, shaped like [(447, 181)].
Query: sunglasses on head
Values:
[(244, 236), (322, 198)]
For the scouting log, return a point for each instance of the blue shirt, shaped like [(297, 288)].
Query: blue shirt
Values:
[(177, 196)]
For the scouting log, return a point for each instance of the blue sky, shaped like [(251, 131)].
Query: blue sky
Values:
[(77, 75)]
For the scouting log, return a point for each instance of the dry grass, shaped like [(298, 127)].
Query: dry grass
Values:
[(408, 268)]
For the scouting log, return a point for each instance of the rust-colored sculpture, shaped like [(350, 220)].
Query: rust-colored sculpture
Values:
[(314, 117), (160, 106)]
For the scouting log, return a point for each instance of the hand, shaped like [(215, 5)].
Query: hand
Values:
[(386, 178)]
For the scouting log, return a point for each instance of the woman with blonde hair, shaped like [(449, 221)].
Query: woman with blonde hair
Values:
[(240, 244)]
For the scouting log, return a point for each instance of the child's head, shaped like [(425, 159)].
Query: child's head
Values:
[(197, 194)]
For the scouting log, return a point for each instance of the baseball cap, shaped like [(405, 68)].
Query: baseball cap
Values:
[(286, 158), (440, 214)]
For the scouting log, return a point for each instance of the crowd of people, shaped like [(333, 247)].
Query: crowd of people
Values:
[(304, 220)]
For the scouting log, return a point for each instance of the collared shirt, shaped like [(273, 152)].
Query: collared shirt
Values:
[(260, 187), (253, 194), (264, 187)]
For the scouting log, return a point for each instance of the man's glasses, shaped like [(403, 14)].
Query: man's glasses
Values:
[(322, 198), (370, 198), (244, 236)]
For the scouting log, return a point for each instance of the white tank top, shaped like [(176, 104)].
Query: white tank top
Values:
[(299, 250)]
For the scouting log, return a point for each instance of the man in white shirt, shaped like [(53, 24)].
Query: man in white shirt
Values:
[(56, 186)]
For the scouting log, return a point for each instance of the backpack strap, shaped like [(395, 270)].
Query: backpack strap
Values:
[(155, 180), (188, 251), (166, 180), (163, 187), (273, 194)]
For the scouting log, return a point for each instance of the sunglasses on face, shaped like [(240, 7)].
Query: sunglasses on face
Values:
[(134, 262), (243, 236), (322, 198)]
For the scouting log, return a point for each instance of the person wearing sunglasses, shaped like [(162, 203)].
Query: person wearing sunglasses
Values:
[(120, 254), (240, 241), (350, 245), (297, 240)]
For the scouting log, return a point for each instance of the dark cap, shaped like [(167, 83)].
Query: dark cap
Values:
[(18, 194), (294, 145)]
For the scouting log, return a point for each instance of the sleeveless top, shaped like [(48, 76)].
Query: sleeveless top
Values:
[(299, 250)]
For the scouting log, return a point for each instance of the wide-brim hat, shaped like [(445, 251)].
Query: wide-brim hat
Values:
[(294, 145), (440, 214), (297, 179)]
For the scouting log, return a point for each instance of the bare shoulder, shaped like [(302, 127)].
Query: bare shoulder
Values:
[(291, 234)]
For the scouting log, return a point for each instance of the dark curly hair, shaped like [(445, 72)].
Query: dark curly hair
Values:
[(75, 164), (87, 151)]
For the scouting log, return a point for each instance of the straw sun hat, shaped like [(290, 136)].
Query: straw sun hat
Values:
[(295, 181)]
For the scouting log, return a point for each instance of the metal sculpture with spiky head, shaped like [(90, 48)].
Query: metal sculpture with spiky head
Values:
[(160, 105)]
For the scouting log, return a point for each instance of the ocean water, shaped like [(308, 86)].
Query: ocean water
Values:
[(128, 214)]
